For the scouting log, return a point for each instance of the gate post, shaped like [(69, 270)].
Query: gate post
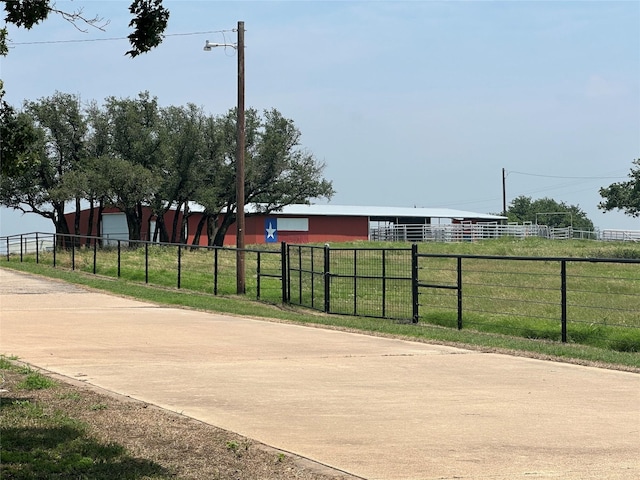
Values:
[(285, 270), (414, 282), (179, 264), (327, 279), (459, 293), (563, 299)]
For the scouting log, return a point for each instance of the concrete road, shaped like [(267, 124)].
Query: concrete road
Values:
[(377, 408)]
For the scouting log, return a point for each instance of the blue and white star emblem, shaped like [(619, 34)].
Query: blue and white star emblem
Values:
[(271, 230)]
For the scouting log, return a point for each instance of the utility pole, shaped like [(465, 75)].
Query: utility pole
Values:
[(240, 144), (504, 192), (240, 254)]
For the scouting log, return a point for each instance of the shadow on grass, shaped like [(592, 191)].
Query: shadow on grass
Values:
[(65, 452)]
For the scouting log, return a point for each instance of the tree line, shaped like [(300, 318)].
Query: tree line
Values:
[(622, 196), (130, 152)]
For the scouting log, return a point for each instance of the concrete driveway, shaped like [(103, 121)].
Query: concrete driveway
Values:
[(377, 408)]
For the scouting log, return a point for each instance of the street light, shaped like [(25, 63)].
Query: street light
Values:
[(240, 126)]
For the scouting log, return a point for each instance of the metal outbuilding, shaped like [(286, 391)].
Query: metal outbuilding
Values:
[(297, 223)]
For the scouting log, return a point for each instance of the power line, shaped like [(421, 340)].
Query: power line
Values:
[(558, 176), (46, 42)]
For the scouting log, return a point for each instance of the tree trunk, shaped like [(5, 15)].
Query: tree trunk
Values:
[(100, 210), (175, 222), (134, 221), (184, 234), (221, 231), (198, 234), (90, 225), (76, 222), (60, 222)]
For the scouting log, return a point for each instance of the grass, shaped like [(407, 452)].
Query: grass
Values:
[(603, 320), (40, 442), (66, 432)]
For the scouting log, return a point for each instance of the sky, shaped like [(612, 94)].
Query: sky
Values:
[(408, 103)]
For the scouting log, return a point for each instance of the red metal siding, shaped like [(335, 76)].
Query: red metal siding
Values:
[(321, 229), (338, 229)]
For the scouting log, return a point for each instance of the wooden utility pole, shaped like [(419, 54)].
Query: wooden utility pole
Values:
[(504, 192), (240, 256)]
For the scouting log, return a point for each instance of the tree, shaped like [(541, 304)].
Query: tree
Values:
[(129, 186), (278, 172), (55, 149), (183, 135), (19, 141), (133, 168), (149, 21), (624, 196), (547, 211)]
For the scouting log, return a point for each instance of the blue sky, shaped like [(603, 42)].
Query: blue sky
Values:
[(408, 103)]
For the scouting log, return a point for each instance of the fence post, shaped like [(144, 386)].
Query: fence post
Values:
[(21, 248), (73, 255), (283, 265), (355, 282), (384, 282), (414, 282), (146, 263), (327, 279), (95, 256), (179, 263), (300, 277), (8, 258), (313, 279), (55, 248), (215, 270), (118, 258), (459, 293), (563, 299), (258, 275), (37, 249)]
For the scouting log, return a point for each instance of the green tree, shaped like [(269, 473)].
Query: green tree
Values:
[(149, 21), (624, 196), (39, 185), (546, 211), (183, 135), (278, 172), (129, 186), (135, 143), (19, 141)]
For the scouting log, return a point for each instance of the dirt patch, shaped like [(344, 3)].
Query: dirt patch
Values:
[(185, 448)]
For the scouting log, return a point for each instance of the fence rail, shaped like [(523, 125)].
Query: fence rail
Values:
[(370, 282), (461, 232), (593, 301), (198, 268)]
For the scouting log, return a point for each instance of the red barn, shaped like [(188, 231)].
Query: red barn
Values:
[(293, 224)]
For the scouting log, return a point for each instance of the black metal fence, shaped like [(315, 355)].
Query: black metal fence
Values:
[(583, 300), (197, 268), (369, 282)]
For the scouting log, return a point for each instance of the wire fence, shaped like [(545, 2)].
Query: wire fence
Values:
[(580, 300), (197, 268), (368, 282), (594, 301)]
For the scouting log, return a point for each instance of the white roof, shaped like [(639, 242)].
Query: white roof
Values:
[(395, 212), (362, 211)]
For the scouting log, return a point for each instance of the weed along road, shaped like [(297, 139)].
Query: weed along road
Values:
[(377, 408)]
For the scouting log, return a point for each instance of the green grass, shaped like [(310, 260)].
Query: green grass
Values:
[(36, 381), (39, 442), (603, 309)]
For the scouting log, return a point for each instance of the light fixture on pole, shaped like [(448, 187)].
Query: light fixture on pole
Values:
[(240, 126)]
